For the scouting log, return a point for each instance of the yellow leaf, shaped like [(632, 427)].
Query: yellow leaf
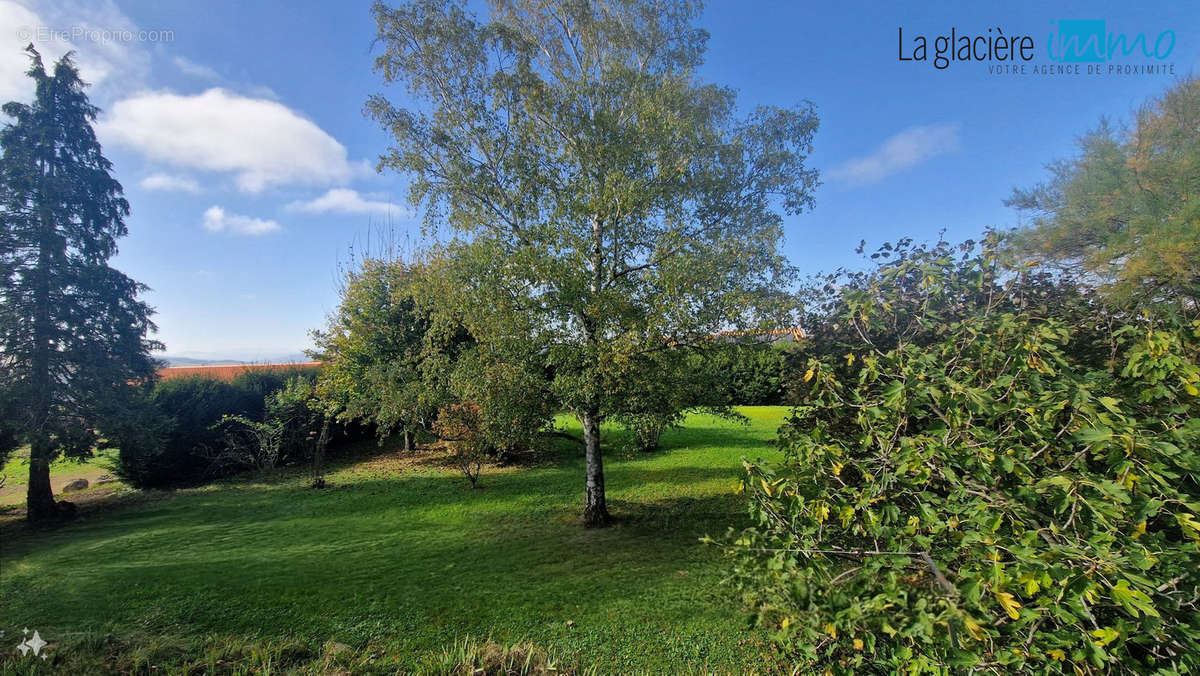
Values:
[(837, 469), (1031, 584), (822, 513), (786, 621), (1139, 530), (740, 487), (808, 375), (1105, 635), (849, 359), (1009, 604), (973, 627), (831, 630), (1057, 654), (767, 488), (858, 644), (1189, 525), (1191, 389)]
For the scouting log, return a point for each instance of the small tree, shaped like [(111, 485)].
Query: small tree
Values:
[(461, 425), (654, 391), (509, 398), (72, 331), (386, 357)]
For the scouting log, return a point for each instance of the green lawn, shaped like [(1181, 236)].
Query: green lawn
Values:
[(16, 473), (399, 558)]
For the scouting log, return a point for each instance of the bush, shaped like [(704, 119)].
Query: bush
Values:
[(647, 428), (179, 455), (652, 392), (752, 374), (286, 433), (173, 438), (462, 426), (258, 384), (976, 494)]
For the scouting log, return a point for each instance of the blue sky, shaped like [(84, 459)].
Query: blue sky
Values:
[(236, 129)]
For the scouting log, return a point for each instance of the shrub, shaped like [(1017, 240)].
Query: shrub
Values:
[(972, 492), (462, 426), (286, 433), (653, 392), (258, 384), (186, 410), (752, 374), (647, 428), (173, 437)]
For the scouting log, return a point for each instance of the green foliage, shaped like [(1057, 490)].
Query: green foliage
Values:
[(170, 435), (605, 202), (751, 374), (510, 399), (1127, 208), (256, 385), (10, 438), (970, 487), (183, 411), (651, 392), (291, 420), (386, 358), (72, 330)]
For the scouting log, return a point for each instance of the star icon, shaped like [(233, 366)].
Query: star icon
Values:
[(23, 647), (36, 643)]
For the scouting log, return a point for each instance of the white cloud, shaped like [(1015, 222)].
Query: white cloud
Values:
[(263, 143), (217, 220), (169, 183), (906, 149), (344, 201), (14, 86), (196, 70), (106, 43)]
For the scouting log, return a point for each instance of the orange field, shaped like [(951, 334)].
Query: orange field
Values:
[(227, 373)]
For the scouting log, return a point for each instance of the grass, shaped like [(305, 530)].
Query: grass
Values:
[(397, 562), (62, 470)]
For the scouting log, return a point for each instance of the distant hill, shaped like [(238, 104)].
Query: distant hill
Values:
[(192, 361), (180, 360)]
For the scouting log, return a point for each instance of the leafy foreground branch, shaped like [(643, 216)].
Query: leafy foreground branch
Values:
[(1004, 478)]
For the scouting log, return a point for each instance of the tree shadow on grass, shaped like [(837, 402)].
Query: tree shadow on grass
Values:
[(409, 481), (238, 566)]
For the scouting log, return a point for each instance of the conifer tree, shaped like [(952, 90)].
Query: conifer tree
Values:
[(72, 330)]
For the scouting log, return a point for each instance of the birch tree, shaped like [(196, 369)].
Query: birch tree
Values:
[(603, 202)]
